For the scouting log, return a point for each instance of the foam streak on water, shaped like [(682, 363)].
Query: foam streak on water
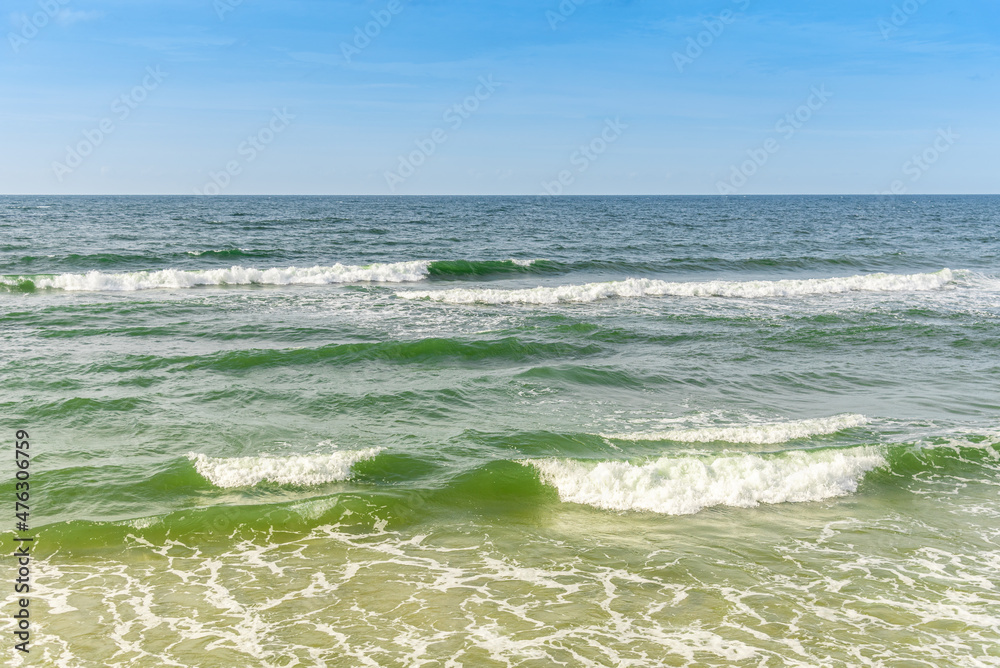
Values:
[(759, 434), (97, 281), (395, 272), (645, 287), (481, 602)]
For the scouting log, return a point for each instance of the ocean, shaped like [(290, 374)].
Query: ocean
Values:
[(505, 431)]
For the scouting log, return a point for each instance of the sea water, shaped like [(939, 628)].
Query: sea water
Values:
[(333, 431)]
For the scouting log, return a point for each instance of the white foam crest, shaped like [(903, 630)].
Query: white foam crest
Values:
[(94, 281), (686, 485), (645, 287), (758, 434), (293, 470)]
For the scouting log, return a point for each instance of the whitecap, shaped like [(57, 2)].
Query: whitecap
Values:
[(686, 485), (645, 287), (301, 470), (94, 281)]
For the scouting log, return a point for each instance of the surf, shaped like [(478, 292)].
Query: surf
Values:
[(99, 281), (297, 470), (633, 288), (675, 485), (410, 271)]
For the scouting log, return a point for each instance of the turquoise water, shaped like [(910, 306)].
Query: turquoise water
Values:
[(508, 431)]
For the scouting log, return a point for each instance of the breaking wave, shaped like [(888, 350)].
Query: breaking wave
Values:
[(686, 485), (397, 272), (300, 470), (98, 281), (645, 287)]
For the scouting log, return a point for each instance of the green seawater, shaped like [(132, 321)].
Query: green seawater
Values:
[(505, 431)]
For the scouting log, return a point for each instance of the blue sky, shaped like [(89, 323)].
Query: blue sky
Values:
[(499, 97)]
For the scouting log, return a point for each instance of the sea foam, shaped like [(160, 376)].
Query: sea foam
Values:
[(93, 281), (760, 434), (99, 281), (686, 485), (301, 470), (645, 287)]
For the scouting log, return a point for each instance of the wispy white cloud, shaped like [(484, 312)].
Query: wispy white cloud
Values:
[(63, 17), (66, 17)]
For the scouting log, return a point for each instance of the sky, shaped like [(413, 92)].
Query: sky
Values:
[(570, 97)]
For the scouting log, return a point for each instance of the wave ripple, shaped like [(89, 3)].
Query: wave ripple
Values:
[(758, 434)]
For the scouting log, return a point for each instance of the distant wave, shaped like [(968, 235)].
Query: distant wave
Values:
[(686, 485), (480, 268), (443, 269), (301, 470), (644, 287), (398, 272), (760, 434), (97, 281), (232, 252), (83, 262)]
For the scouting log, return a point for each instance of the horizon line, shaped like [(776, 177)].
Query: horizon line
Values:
[(522, 195)]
